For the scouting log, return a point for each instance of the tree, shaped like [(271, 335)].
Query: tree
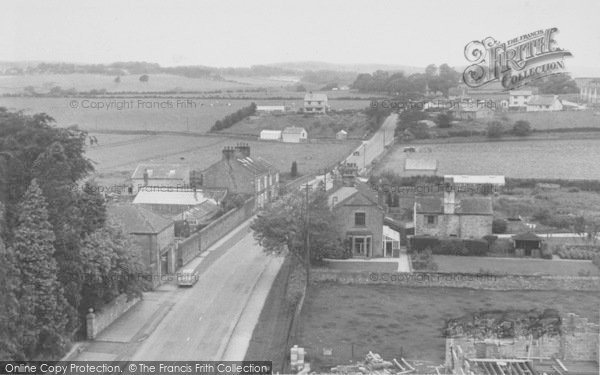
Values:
[(521, 128), (9, 306), (92, 208), (294, 170), (43, 308), (144, 78), (282, 226), (444, 120), (495, 129), (117, 79), (499, 226), (556, 84)]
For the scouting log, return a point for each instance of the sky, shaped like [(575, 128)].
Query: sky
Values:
[(244, 33)]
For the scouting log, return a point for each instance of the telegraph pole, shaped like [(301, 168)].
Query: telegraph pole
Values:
[(307, 239)]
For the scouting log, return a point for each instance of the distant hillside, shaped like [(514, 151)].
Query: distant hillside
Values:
[(354, 68)]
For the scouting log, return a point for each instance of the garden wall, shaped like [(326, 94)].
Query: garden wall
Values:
[(194, 245), (460, 280), (97, 321)]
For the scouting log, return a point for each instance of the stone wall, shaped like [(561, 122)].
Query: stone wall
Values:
[(97, 321), (459, 280), (194, 245)]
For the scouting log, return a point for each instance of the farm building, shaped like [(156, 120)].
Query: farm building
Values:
[(270, 135), (160, 176), (420, 167), (271, 108), (315, 103), (544, 103), (471, 111), (294, 134), (341, 135)]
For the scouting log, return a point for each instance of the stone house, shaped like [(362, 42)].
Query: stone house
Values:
[(240, 173), (315, 103), (359, 220), (153, 233), (467, 217)]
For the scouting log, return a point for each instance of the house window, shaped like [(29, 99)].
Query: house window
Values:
[(360, 219), (430, 219)]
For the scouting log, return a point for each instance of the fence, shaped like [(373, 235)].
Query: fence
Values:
[(97, 321), (194, 245)]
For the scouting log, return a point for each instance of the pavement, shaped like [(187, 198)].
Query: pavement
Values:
[(213, 319)]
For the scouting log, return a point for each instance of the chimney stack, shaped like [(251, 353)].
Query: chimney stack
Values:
[(449, 196), (242, 150), (228, 152), (145, 177)]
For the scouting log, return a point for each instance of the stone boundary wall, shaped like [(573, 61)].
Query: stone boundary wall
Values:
[(458, 280), (97, 321)]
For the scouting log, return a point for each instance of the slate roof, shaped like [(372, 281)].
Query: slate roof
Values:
[(465, 206), (162, 171), (138, 220), (293, 130), (175, 197), (315, 97), (420, 164), (360, 194), (256, 165), (527, 236)]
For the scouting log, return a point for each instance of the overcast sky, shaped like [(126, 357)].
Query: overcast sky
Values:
[(244, 33)]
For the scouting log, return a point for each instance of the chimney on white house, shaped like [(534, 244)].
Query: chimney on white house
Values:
[(449, 196)]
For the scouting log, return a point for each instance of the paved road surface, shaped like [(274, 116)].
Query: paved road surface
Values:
[(200, 325)]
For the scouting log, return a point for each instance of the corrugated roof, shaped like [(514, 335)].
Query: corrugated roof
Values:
[(138, 220), (176, 197), (420, 164), (162, 171), (315, 97), (542, 100), (293, 130)]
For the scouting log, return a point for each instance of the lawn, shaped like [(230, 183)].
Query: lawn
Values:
[(517, 266), (556, 120), (393, 320), (547, 158)]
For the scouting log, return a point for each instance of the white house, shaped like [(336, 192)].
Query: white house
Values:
[(518, 100), (270, 135), (544, 103), (341, 135), (293, 134), (315, 103)]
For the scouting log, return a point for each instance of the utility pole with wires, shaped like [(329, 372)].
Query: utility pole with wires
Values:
[(307, 237)]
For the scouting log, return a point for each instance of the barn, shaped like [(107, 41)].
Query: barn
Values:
[(293, 134), (270, 135)]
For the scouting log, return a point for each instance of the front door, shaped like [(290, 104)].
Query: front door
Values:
[(388, 249), (361, 246)]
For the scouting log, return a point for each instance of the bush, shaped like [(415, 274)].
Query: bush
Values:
[(423, 260), (476, 247), (420, 243), (443, 120), (490, 239), (502, 246), (499, 226), (521, 128), (451, 246), (495, 129)]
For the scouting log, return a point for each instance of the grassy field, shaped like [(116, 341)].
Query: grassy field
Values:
[(317, 126), (517, 266), (162, 113), (556, 120), (129, 83), (116, 156), (393, 320), (547, 158)]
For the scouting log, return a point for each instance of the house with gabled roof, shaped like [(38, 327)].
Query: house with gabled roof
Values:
[(241, 173), (315, 103), (294, 134), (544, 103), (359, 220), (153, 233)]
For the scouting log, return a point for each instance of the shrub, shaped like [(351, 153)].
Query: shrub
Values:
[(502, 246), (443, 120), (476, 247), (490, 239), (546, 251), (451, 246), (495, 129), (499, 226), (521, 128), (423, 260), (420, 243)]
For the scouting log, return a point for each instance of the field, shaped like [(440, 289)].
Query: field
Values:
[(557, 120), (116, 156), (393, 320), (161, 113), (129, 83), (520, 266), (317, 126), (547, 158)]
